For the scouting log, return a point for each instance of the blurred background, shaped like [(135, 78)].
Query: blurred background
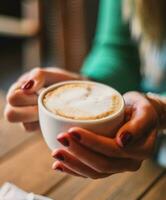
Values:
[(44, 33), (41, 33), (38, 33)]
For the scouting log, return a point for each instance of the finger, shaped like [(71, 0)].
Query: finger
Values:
[(21, 114), (22, 80), (39, 78), (128, 113), (149, 145), (35, 81), (62, 168), (31, 127), (144, 149), (98, 143), (109, 147), (96, 161), (54, 75), (139, 125), (18, 98), (23, 77), (76, 165)]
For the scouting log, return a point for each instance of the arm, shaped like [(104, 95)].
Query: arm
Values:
[(114, 58)]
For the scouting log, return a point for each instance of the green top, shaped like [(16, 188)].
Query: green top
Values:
[(114, 58)]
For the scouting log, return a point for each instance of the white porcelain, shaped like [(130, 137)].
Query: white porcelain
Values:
[(51, 124)]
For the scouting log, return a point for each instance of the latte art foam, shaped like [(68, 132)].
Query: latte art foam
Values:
[(83, 101)]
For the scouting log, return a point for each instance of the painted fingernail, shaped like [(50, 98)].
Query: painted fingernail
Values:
[(64, 141), (126, 138), (28, 85), (59, 169), (59, 157), (76, 135)]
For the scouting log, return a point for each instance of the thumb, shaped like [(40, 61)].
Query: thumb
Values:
[(39, 78), (34, 82), (139, 125)]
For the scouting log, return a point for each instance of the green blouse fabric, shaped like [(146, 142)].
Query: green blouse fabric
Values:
[(114, 58)]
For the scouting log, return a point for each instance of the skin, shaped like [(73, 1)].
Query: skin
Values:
[(22, 104), (91, 155)]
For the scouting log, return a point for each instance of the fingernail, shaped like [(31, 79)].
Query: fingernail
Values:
[(126, 138), (59, 156), (64, 141), (28, 85), (76, 135), (59, 169)]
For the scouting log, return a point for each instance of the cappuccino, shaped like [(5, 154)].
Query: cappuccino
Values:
[(89, 105), (83, 101)]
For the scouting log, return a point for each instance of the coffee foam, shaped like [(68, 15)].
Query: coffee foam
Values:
[(83, 101)]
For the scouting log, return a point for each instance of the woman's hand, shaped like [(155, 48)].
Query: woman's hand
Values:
[(22, 96), (89, 155)]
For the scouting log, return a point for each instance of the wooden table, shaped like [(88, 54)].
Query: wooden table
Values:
[(25, 161)]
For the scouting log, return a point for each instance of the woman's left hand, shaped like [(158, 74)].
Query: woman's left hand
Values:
[(87, 154)]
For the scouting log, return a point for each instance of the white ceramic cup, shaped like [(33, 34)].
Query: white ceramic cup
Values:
[(51, 124)]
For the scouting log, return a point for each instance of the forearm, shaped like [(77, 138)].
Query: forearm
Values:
[(159, 103)]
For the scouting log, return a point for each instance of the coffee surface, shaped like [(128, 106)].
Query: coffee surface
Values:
[(83, 101)]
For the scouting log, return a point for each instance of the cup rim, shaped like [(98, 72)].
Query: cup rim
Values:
[(60, 118)]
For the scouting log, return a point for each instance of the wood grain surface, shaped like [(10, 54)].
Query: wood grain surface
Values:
[(26, 161)]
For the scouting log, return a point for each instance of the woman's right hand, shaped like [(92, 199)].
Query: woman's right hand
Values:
[(23, 94)]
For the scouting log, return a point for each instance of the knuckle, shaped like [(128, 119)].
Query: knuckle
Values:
[(13, 98), (9, 98), (37, 71), (10, 114), (131, 94)]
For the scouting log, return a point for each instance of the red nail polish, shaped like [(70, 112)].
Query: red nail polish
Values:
[(59, 156), (64, 141), (59, 168), (76, 135), (126, 138), (28, 85)]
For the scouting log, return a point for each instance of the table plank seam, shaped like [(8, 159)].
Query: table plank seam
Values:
[(58, 184), (18, 147), (151, 185)]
